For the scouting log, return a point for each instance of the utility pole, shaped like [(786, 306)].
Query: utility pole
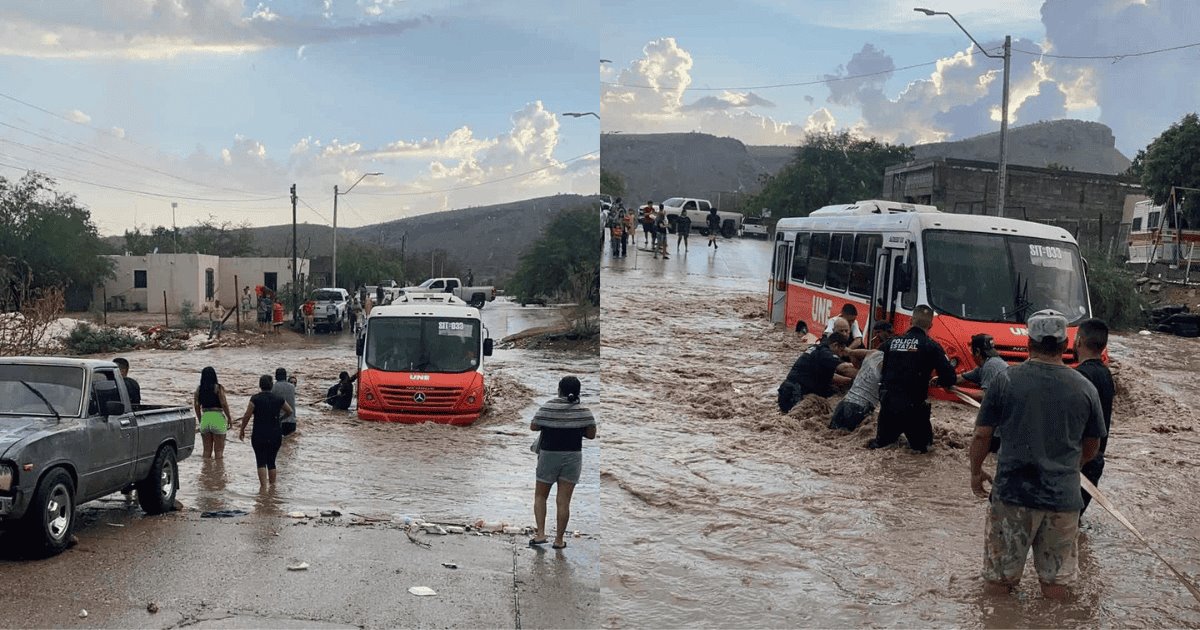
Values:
[(1002, 171), (295, 289), (333, 276), (174, 230), (1002, 176)]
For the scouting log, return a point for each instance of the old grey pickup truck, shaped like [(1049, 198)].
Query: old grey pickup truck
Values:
[(68, 435)]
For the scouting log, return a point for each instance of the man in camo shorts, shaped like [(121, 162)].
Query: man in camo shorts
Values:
[(1052, 423)]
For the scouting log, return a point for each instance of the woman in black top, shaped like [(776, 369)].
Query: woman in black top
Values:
[(212, 413), (267, 434)]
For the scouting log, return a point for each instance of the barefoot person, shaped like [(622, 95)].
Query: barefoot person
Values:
[(266, 436), (212, 412), (563, 423)]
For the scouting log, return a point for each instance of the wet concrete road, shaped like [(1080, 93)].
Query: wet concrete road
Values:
[(720, 512), (378, 470)]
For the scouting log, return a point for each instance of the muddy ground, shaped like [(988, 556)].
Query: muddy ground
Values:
[(721, 512), (232, 571)]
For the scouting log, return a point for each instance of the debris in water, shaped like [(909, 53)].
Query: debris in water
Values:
[(115, 524), (455, 529), (422, 591), (434, 528), (223, 513), (450, 565), (330, 513), (302, 566), (83, 614), (513, 530), (297, 515), (152, 608), (1143, 332)]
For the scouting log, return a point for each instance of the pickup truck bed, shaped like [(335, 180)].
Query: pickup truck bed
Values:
[(90, 444)]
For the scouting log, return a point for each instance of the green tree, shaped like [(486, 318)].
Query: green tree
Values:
[(834, 167), (47, 239), (554, 262), (205, 237), (611, 184), (1173, 159), (360, 264)]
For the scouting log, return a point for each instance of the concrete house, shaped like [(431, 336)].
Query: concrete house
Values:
[(139, 282)]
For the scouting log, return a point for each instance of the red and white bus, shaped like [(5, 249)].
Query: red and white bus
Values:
[(980, 274)]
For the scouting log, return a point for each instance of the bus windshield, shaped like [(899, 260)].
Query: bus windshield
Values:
[(423, 344), (1003, 278)]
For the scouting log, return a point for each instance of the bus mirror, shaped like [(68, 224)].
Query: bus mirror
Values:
[(488, 346), (358, 345)]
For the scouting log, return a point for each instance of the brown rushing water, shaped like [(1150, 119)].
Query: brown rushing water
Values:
[(437, 472), (720, 512)]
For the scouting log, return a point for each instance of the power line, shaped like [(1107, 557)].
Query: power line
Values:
[(1112, 57), (109, 132), (314, 210), (484, 183), (139, 192), (799, 84), (105, 154)]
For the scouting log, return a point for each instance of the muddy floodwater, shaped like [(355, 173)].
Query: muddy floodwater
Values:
[(436, 472), (719, 511)]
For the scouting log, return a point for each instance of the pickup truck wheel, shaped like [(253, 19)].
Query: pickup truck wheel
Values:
[(703, 231), (477, 300), (51, 515), (156, 493), (728, 229)]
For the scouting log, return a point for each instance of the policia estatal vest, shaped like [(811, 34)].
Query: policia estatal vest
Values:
[(908, 361)]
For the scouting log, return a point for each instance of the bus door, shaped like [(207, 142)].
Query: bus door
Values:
[(779, 280), (885, 293)]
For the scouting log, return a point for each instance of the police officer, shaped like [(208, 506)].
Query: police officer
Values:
[(815, 372), (904, 384)]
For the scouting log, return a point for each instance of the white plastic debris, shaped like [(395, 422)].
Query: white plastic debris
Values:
[(83, 614), (1143, 332), (513, 530), (300, 566), (455, 529), (422, 591), (297, 515), (434, 528)]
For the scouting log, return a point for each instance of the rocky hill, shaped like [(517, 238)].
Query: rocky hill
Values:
[(657, 166), (1088, 147)]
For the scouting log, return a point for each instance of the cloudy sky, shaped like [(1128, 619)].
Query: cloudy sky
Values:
[(220, 105), (712, 66)]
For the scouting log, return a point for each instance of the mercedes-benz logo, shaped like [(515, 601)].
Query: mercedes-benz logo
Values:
[(419, 397)]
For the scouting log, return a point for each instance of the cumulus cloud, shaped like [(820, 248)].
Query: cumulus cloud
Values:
[(663, 75), (154, 29), (820, 121), (728, 100), (77, 116)]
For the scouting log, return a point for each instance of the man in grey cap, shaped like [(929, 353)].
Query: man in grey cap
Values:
[(1052, 423)]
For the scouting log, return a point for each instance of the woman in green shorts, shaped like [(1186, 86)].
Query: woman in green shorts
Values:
[(212, 410)]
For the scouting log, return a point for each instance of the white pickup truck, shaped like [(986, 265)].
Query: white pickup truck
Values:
[(697, 210), (475, 296)]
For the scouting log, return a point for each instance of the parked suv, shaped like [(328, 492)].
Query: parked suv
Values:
[(330, 311)]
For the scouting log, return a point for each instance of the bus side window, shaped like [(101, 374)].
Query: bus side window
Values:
[(841, 251), (862, 272), (800, 259), (909, 299), (818, 259)]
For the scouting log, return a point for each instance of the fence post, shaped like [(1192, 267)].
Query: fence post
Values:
[(237, 302), (166, 315)]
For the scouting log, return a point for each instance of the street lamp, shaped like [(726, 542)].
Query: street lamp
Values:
[(333, 279), (1002, 175)]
